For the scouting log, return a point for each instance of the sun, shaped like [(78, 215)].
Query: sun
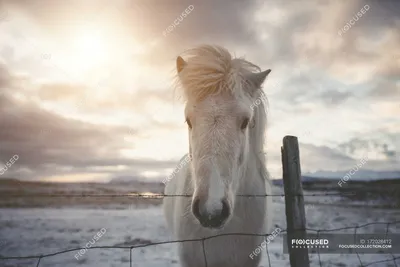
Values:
[(92, 45), (91, 48)]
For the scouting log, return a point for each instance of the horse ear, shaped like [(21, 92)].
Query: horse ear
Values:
[(258, 78), (180, 64)]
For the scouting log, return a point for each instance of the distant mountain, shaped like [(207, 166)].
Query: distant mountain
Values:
[(9, 180), (360, 175), (279, 182), (134, 180), (124, 179)]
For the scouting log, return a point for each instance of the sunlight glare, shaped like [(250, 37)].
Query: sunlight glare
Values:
[(91, 49)]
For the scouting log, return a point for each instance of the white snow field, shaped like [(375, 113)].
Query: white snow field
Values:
[(42, 231)]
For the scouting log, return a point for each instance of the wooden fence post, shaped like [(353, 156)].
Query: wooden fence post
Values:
[(294, 201)]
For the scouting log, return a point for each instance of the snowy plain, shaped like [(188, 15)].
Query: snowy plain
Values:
[(43, 231)]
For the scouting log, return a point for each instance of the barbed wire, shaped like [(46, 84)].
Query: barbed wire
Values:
[(318, 231), (151, 195)]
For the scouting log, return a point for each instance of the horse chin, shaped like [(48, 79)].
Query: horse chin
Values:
[(215, 227)]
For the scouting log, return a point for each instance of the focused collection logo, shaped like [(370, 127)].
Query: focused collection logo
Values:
[(310, 243)]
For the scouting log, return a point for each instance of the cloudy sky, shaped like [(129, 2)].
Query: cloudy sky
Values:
[(86, 86)]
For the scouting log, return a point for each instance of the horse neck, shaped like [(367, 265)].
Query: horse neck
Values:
[(251, 176)]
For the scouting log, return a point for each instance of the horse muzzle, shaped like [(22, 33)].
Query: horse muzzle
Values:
[(211, 215)]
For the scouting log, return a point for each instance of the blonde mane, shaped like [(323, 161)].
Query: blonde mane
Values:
[(212, 70)]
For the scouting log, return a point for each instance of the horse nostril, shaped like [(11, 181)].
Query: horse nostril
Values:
[(225, 210), (196, 208)]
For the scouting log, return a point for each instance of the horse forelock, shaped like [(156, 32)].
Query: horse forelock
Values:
[(212, 70)]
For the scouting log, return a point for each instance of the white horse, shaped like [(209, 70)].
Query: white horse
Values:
[(226, 119)]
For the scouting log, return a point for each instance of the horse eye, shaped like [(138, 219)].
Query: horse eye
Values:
[(245, 123), (189, 123)]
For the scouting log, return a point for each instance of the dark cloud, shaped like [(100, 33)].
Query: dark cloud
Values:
[(356, 144), (309, 37), (385, 89), (5, 76), (42, 139), (374, 146), (139, 101), (50, 144), (348, 154), (390, 154), (335, 97), (324, 157), (307, 86), (383, 13)]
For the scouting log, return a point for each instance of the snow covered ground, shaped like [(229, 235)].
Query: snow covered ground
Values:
[(41, 231)]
